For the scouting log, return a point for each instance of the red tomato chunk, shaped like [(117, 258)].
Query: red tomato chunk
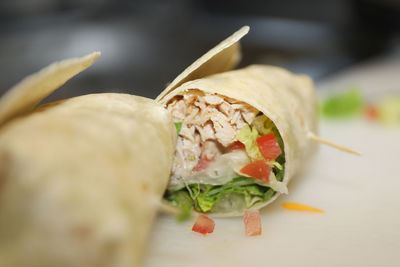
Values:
[(202, 164), (257, 169), (252, 222), (203, 225), (269, 146), (236, 146)]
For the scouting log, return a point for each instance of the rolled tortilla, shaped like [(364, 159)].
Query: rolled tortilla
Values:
[(81, 180), (287, 99)]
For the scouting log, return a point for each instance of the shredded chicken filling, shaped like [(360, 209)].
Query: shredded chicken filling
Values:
[(210, 124)]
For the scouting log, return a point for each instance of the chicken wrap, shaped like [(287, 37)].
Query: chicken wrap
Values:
[(243, 134), (80, 179)]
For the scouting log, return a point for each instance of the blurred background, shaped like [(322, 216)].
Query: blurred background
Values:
[(145, 44)]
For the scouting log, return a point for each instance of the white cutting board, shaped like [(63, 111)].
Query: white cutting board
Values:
[(360, 197)]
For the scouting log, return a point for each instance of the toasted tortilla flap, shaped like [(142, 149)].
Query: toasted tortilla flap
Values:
[(223, 57), (25, 95)]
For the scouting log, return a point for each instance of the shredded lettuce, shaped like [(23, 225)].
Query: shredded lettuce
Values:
[(206, 196), (248, 136), (277, 185), (182, 200), (178, 126), (279, 171), (263, 125)]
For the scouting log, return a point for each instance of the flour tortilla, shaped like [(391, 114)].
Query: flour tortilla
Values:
[(80, 179), (223, 57), (24, 96), (286, 98)]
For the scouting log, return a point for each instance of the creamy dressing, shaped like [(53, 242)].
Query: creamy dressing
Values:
[(223, 169)]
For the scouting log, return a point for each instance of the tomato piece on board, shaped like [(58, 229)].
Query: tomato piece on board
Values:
[(269, 146), (252, 222), (203, 225), (257, 169), (236, 146)]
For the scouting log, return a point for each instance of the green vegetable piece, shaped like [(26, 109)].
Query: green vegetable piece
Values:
[(263, 125), (248, 137), (346, 104), (207, 196), (182, 200), (178, 126), (205, 203), (279, 173)]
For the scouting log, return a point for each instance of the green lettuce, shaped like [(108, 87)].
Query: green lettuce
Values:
[(263, 125), (279, 172), (178, 126), (345, 104), (205, 197), (248, 136), (182, 200)]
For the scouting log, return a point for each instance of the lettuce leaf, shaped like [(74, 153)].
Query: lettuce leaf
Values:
[(263, 125), (344, 104), (207, 196), (178, 126), (182, 200), (279, 172), (248, 136)]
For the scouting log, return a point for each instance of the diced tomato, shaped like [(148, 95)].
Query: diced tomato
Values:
[(269, 146), (202, 164), (257, 169), (203, 225), (236, 146), (252, 222), (371, 112)]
